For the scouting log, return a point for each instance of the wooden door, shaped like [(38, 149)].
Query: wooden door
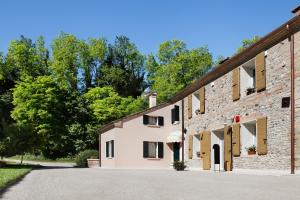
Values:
[(205, 149)]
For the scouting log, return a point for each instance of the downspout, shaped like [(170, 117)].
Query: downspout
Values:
[(182, 129), (100, 163), (291, 39)]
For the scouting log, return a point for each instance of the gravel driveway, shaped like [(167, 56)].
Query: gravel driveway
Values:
[(89, 184)]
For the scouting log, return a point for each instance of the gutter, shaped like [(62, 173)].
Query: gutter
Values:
[(292, 52), (182, 129)]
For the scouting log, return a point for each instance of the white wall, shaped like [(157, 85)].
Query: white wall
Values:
[(129, 142), (247, 79), (195, 103), (248, 136), (196, 146)]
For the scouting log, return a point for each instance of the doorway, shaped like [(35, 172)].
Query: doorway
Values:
[(176, 151), (217, 147)]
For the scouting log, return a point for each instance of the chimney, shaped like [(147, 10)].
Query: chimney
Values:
[(152, 99), (296, 11)]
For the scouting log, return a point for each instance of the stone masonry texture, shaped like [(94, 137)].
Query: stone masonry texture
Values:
[(219, 106)]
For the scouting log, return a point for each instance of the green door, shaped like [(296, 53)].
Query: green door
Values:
[(176, 151)]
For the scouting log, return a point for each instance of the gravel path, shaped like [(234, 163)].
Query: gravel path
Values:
[(89, 184)]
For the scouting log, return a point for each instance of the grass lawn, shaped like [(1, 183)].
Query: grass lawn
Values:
[(29, 157), (11, 173)]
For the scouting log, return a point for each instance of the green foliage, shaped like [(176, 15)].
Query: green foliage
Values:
[(54, 102), (179, 165), (81, 158), (176, 67), (123, 68), (247, 43), (106, 105), (65, 64)]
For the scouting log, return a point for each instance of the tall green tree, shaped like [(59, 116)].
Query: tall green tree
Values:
[(40, 103), (92, 54), (123, 68), (65, 66), (176, 67)]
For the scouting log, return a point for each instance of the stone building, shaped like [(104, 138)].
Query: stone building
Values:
[(244, 114)]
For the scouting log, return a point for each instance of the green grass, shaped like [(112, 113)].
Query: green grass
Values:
[(11, 173), (30, 157)]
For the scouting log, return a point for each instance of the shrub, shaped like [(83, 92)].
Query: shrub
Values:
[(179, 165), (81, 158)]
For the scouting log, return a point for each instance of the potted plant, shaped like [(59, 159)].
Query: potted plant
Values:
[(179, 165), (93, 161), (250, 90), (251, 150)]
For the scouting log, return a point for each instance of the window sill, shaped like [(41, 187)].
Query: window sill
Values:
[(249, 156), (153, 126), (153, 158), (109, 157)]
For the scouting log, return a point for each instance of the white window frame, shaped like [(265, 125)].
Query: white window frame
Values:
[(109, 143), (156, 149), (155, 119)]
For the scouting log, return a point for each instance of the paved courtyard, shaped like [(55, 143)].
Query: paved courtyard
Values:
[(88, 184)]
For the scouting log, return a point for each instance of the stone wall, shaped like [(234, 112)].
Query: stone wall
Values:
[(297, 100), (219, 106)]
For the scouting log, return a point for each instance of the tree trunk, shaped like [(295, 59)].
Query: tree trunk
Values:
[(21, 159)]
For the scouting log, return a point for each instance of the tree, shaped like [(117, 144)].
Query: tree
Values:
[(123, 68), (176, 67), (106, 105), (40, 104), (247, 43), (26, 58), (92, 55), (65, 66)]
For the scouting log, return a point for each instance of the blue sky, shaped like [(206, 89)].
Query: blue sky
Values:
[(219, 24)]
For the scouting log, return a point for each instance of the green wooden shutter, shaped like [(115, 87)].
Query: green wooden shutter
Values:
[(160, 150), (145, 119), (145, 149), (172, 115), (176, 108), (107, 149), (160, 121), (112, 149)]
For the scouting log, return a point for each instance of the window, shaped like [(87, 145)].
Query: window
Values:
[(196, 146), (110, 149), (175, 115), (248, 77), (153, 120), (248, 136), (195, 103), (153, 149)]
